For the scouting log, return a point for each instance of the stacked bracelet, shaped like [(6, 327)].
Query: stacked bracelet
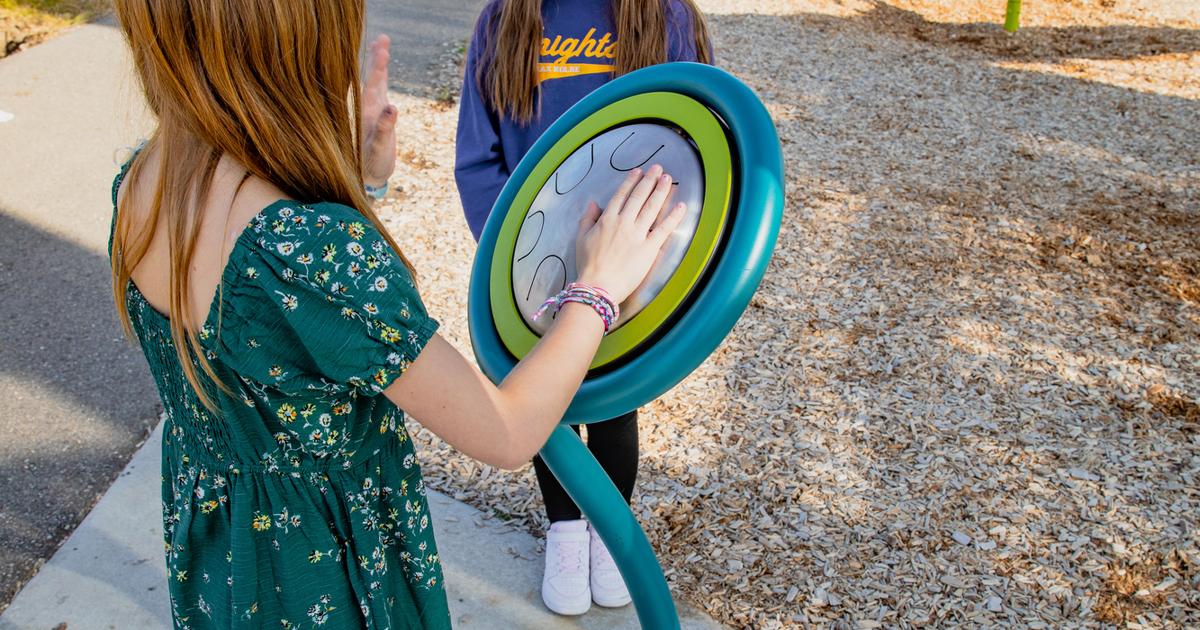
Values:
[(598, 299)]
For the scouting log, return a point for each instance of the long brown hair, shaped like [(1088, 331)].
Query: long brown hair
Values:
[(273, 84), (508, 73)]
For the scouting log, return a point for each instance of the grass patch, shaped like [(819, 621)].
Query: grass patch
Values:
[(24, 23)]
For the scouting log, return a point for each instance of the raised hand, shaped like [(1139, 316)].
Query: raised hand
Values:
[(378, 116)]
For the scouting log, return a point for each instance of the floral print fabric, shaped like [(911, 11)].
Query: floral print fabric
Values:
[(298, 503)]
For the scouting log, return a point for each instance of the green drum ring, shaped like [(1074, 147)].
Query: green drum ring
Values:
[(716, 162)]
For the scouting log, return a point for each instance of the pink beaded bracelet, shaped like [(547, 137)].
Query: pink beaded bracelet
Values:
[(595, 297)]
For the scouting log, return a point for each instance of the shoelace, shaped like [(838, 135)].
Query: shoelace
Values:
[(569, 556), (602, 559)]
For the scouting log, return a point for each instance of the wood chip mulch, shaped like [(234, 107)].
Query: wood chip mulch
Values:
[(968, 390)]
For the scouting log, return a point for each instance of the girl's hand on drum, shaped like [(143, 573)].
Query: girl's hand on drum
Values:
[(378, 134), (617, 246), (505, 425)]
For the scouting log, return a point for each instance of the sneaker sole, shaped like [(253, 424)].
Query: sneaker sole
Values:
[(571, 612), (603, 603)]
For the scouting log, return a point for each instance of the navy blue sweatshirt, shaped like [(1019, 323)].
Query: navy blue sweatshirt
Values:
[(578, 53)]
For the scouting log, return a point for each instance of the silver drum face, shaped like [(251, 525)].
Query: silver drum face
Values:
[(544, 256)]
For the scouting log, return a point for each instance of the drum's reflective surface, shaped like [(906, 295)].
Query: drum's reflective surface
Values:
[(544, 257)]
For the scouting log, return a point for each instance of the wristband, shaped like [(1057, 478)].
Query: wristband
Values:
[(376, 192), (598, 299)]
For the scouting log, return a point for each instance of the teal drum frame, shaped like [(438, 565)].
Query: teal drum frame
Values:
[(703, 129), (694, 331)]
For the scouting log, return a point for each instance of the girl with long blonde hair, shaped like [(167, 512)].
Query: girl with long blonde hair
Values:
[(529, 61), (284, 328)]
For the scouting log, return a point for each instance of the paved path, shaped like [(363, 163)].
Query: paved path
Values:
[(75, 399), (109, 575), (422, 32)]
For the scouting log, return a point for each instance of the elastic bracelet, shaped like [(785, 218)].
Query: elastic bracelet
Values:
[(376, 192), (601, 306), (611, 305), (596, 298), (597, 290)]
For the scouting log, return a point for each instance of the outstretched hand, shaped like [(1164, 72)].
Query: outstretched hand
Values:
[(378, 116), (617, 246)]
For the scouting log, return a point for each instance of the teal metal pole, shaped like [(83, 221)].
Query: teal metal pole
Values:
[(591, 489), (1012, 17)]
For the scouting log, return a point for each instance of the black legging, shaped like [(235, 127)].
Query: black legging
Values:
[(614, 443)]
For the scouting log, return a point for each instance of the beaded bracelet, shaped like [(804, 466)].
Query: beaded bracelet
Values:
[(598, 299)]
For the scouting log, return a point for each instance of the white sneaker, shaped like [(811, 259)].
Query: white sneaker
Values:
[(608, 589), (565, 582)]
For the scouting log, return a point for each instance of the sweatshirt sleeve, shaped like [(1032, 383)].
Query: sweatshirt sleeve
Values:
[(681, 38), (479, 168)]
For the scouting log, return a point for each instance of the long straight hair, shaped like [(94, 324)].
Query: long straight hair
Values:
[(508, 74), (273, 84)]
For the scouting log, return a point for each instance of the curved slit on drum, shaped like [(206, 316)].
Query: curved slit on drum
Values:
[(591, 163), (625, 170), (533, 280), (541, 230)]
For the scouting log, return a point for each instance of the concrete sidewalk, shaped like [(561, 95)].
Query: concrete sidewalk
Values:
[(110, 574), (75, 398)]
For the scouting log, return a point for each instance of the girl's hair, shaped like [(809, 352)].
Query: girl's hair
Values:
[(508, 75), (271, 83)]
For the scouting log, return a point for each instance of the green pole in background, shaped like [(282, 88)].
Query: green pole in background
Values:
[(1012, 18), (591, 489)]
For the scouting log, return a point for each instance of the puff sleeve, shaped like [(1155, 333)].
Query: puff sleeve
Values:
[(316, 299)]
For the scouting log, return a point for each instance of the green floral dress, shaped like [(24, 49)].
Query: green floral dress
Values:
[(299, 502)]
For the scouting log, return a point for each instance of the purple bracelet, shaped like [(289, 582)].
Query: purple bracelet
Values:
[(598, 299)]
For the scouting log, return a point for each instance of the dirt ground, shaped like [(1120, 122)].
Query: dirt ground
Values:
[(968, 390)]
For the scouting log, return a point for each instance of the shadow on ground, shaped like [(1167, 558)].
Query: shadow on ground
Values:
[(1036, 43), (82, 399), (981, 319)]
